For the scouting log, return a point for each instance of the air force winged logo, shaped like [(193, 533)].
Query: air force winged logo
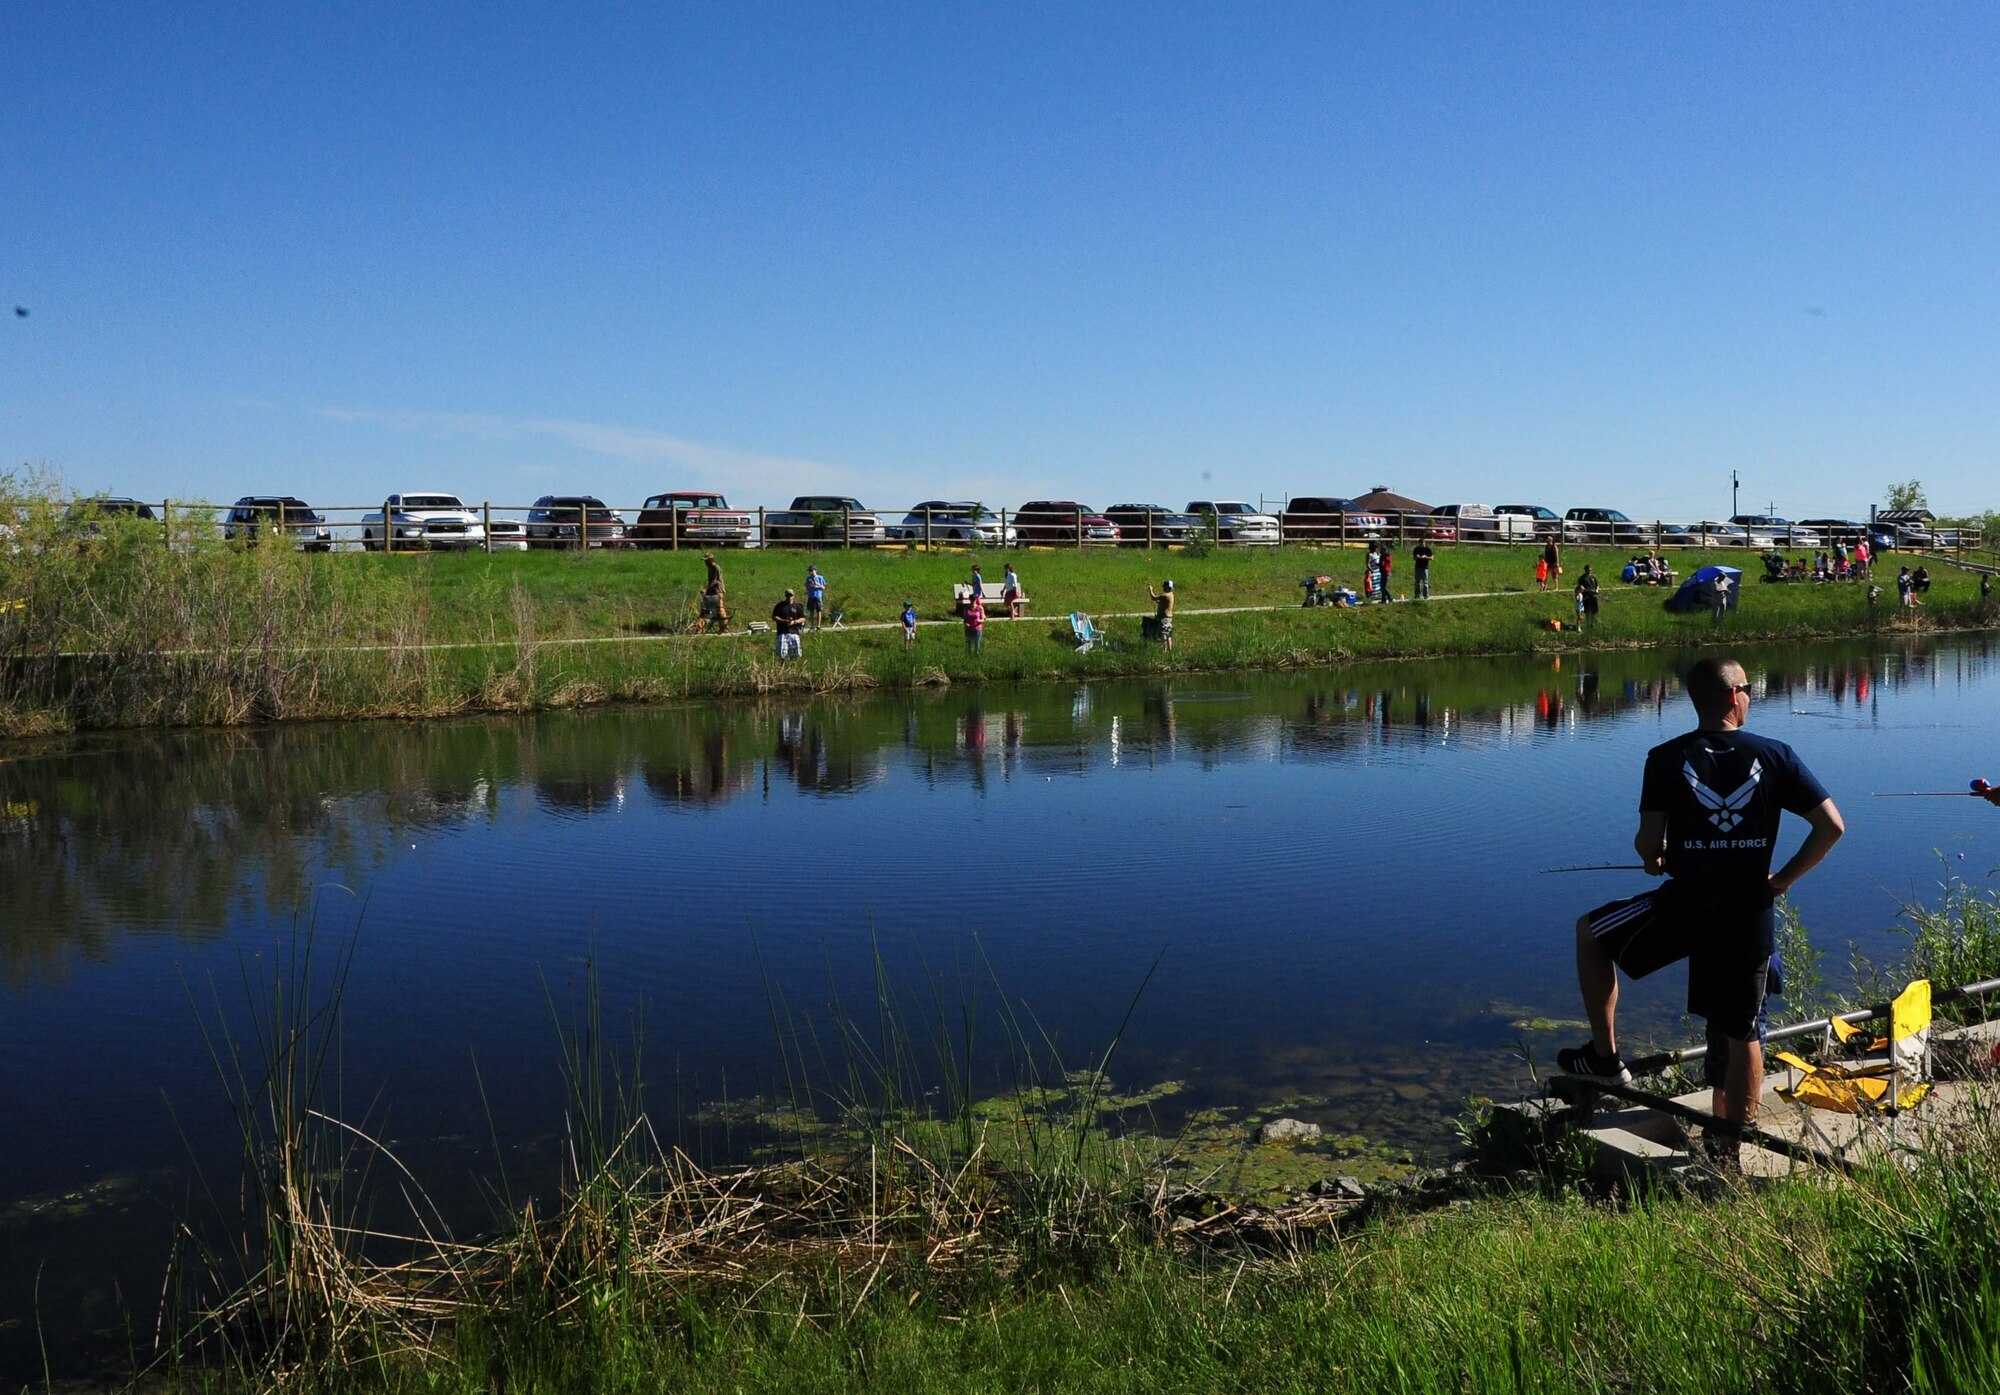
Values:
[(1725, 811)]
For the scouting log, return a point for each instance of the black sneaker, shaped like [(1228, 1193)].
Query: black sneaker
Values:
[(1584, 1060)]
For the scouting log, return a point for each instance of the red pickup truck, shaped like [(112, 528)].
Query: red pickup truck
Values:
[(690, 518)]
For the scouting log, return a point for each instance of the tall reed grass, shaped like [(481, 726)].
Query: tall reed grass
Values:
[(112, 621)]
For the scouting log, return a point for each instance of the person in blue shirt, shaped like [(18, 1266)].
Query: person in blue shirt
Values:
[(815, 596), (1709, 807), (909, 622)]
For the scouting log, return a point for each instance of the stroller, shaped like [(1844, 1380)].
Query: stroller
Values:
[(1315, 587), (1775, 567)]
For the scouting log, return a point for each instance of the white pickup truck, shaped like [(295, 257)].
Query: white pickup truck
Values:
[(422, 521)]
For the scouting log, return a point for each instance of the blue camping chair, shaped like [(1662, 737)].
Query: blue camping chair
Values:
[(1088, 636)]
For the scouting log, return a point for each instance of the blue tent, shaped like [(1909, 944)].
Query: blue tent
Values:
[(1697, 592)]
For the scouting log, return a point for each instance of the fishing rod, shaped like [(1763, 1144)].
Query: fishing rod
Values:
[(1599, 867), (1652, 1065), (1980, 790)]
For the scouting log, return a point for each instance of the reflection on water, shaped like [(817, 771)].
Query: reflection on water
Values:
[(1338, 871), (195, 833)]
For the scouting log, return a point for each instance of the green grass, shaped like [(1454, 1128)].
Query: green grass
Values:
[(1801, 1287), (913, 1254), (604, 593), (121, 632)]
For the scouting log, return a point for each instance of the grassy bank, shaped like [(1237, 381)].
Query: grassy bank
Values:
[(932, 1242), (1801, 1288), (121, 632)]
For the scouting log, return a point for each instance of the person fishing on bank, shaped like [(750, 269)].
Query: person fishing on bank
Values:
[(1163, 613), (1587, 596), (975, 619), (788, 619), (1710, 803), (1420, 557), (715, 596), (815, 597)]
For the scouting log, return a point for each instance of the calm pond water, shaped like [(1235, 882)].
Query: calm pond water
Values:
[(1336, 872)]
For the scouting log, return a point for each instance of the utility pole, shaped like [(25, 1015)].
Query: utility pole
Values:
[(1733, 510)]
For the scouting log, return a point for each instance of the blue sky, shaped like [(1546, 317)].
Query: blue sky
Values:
[(1573, 254)]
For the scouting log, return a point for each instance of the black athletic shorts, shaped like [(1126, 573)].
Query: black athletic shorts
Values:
[(1727, 947)]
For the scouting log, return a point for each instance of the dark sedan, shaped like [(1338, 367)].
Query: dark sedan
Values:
[(89, 518), (555, 518)]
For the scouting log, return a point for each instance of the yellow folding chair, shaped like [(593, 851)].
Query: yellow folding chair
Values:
[(1877, 1089)]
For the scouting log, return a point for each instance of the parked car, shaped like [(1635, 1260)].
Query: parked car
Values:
[(1479, 523), (1788, 533), (1328, 518), (90, 514), (1908, 527), (1062, 521), (88, 518), (1545, 522), (1602, 526), (254, 513), (1236, 522), (507, 535), (1141, 524), (823, 518), (422, 522), (963, 521), (1676, 535), (1709, 533), (555, 518), (1851, 531), (689, 517)]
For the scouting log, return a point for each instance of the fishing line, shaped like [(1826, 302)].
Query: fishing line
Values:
[(1979, 790)]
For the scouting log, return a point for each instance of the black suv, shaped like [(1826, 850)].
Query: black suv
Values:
[(552, 522), (281, 513), (86, 518), (1142, 524)]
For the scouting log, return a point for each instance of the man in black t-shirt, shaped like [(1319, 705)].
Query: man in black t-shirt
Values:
[(788, 618), (1709, 808), (1421, 555)]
